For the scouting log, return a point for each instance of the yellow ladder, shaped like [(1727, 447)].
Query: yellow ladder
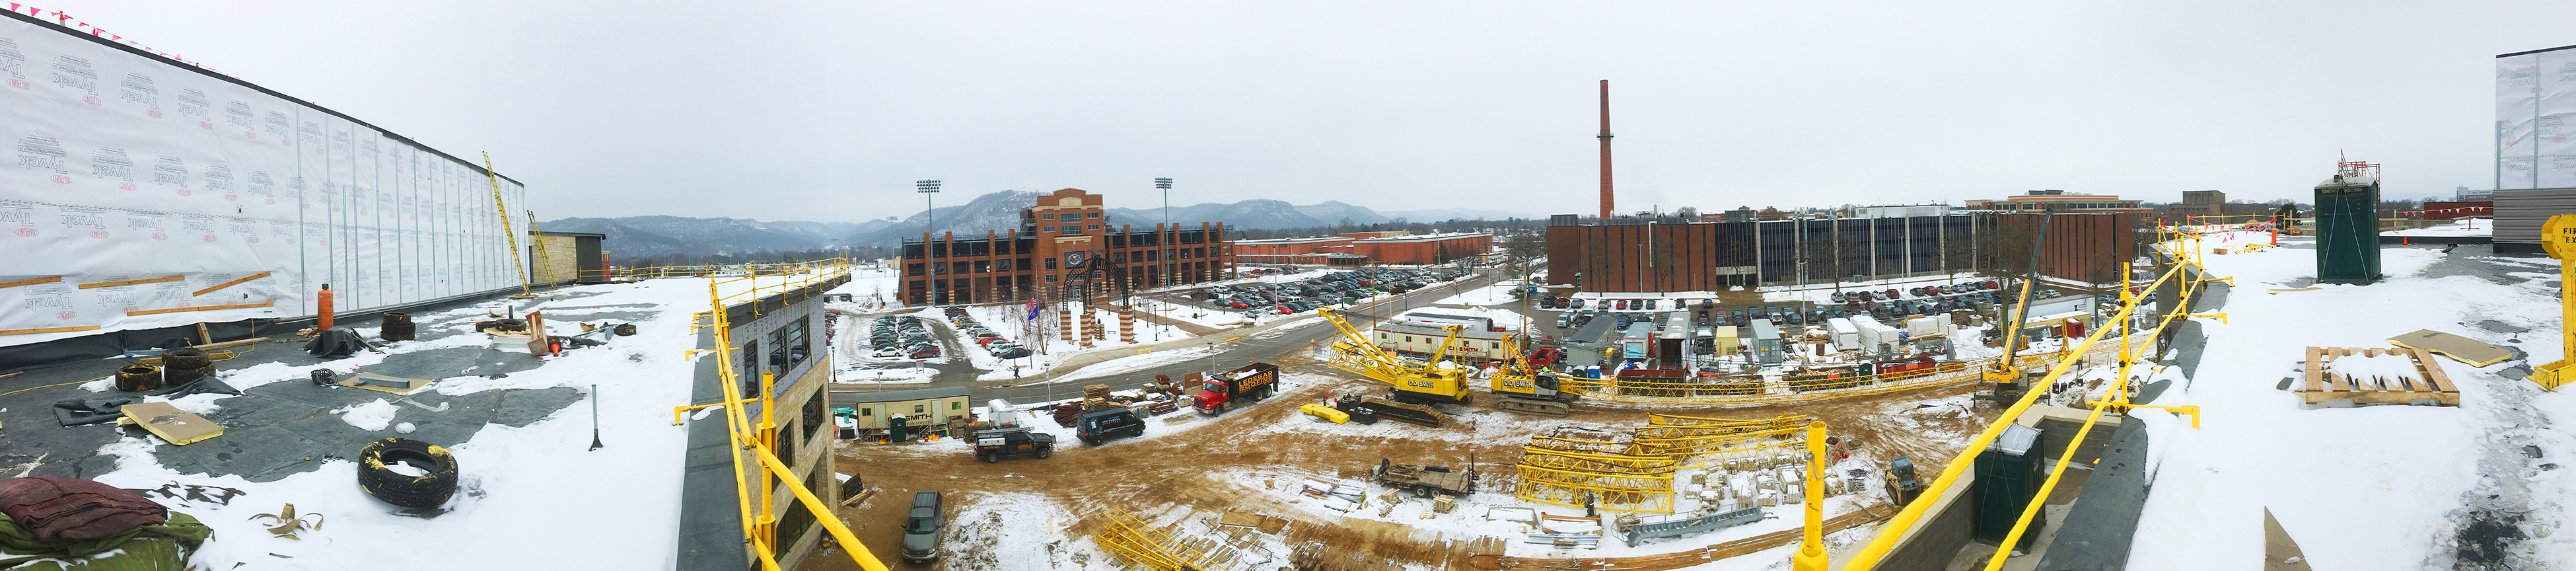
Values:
[(506, 231)]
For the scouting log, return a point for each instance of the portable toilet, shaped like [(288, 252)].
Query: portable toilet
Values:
[(895, 428)]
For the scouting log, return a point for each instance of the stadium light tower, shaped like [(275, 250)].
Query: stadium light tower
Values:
[(927, 188), (1163, 238)]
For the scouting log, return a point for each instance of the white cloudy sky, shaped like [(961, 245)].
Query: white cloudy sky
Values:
[(829, 110)]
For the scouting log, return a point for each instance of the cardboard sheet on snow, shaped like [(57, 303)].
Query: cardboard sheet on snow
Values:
[(2462, 349)]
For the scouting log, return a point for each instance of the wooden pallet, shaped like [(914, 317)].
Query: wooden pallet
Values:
[(2430, 386)]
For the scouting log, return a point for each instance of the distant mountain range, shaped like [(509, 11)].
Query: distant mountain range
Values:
[(649, 236)]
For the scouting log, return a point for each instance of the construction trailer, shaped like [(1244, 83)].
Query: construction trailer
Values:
[(1633, 343), (921, 411), (1673, 341)]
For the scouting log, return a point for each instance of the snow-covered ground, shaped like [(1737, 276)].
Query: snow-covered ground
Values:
[(2377, 487), (2472, 226), (530, 497)]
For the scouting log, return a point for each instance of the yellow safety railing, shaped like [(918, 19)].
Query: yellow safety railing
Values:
[(2184, 246), (753, 438)]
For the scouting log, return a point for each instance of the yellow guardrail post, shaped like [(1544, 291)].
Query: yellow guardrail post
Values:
[(1811, 554), (1869, 556)]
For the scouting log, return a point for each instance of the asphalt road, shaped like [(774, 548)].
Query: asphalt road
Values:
[(1236, 354)]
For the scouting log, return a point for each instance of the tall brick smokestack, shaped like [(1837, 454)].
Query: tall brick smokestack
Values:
[(1605, 150)]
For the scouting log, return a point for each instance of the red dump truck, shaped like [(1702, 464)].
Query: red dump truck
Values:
[(1249, 384)]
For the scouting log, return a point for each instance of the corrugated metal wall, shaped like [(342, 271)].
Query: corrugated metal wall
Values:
[(2518, 214)]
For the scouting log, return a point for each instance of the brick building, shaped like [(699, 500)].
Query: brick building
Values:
[(2060, 201), (1063, 248), (1424, 249), (1352, 248), (1637, 255)]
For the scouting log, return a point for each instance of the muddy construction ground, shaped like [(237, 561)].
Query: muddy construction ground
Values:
[(1190, 467)]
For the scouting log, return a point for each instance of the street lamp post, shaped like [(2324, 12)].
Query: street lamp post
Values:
[(929, 225), (1163, 238)]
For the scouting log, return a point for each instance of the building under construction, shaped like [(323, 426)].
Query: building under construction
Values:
[(1678, 254)]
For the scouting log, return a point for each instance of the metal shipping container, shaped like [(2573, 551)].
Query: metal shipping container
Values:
[(2519, 213)]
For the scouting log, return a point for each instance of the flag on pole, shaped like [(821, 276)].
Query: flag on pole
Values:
[(1033, 308)]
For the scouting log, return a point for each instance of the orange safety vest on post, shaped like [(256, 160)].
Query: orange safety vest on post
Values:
[(322, 300)]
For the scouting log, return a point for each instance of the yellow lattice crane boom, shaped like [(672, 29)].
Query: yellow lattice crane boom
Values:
[(1414, 381)]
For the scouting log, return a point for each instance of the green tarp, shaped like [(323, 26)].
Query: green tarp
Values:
[(163, 547)]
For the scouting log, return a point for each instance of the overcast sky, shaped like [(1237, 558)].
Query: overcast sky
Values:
[(829, 110)]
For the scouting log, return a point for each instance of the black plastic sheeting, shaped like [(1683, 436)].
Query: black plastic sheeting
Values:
[(113, 343)]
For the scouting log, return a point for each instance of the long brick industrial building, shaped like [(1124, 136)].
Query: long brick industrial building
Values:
[(1674, 254), (1363, 247), (1062, 249)]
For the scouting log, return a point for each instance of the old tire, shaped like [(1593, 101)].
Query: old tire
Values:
[(397, 327), (426, 491), (175, 376), (186, 358), (138, 378)]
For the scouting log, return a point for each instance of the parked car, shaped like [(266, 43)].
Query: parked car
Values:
[(1097, 426), (921, 528), (993, 445)]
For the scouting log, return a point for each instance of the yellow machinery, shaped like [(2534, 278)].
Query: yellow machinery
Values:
[(1415, 382), (1523, 388), (2005, 374), (1527, 388), (2558, 238)]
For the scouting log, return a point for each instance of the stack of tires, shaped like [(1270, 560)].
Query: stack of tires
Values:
[(397, 327), (185, 365)]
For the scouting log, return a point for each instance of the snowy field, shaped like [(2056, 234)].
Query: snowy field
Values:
[(2378, 487), (2473, 226), (520, 488)]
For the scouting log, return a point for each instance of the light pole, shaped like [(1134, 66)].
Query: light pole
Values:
[(1163, 237), (929, 226)]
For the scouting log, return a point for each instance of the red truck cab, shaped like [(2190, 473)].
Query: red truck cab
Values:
[(1249, 384)]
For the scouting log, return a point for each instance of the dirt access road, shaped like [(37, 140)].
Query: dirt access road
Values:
[(1174, 467)]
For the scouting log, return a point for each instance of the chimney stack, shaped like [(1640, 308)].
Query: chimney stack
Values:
[(1605, 151)]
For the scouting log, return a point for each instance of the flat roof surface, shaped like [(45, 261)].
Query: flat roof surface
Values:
[(529, 484)]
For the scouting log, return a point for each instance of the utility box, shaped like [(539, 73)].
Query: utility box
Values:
[(2009, 473), (2348, 226), (1766, 342)]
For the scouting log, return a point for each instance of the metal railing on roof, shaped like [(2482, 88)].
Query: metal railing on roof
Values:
[(2183, 244), (754, 440)]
